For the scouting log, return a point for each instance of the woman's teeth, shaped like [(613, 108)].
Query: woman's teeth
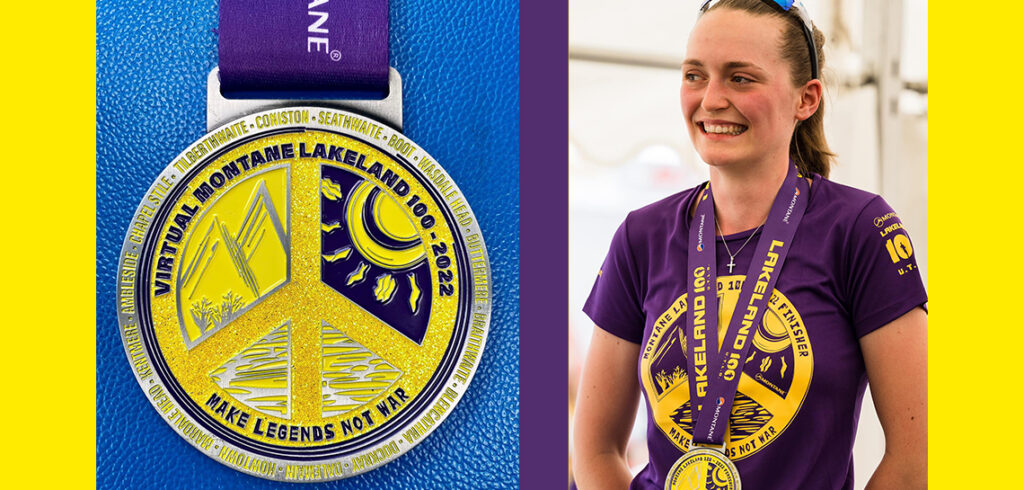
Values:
[(724, 128)]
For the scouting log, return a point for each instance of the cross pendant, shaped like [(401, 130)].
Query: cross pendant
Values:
[(731, 264)]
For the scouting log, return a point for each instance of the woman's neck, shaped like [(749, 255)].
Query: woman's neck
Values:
[(743, 197)]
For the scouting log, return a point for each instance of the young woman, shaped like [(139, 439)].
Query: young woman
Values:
[(811, 286)]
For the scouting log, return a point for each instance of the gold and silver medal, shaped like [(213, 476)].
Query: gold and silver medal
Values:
[(304, 292), (702, 468)]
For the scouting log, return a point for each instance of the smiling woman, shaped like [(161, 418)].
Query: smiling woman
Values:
[(819, 305), (735, 80)]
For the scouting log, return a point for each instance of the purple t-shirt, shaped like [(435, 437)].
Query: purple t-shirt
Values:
[(851, 270)]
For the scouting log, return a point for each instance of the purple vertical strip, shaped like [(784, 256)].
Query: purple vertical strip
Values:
[(702, 295), (543, 244), (303, 50)]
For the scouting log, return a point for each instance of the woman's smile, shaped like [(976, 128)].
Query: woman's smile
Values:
[(716, 128)]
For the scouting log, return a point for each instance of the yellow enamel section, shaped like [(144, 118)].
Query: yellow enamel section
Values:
[(357, 275), (392, 220), (385, 287), (414, 293), (235, 254), (340, 255), (330, 190)]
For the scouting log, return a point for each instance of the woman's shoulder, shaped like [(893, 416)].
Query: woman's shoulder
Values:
[(852, 218), (842, 202)]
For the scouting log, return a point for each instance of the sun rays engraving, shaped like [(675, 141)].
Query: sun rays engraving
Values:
[(372, 252)]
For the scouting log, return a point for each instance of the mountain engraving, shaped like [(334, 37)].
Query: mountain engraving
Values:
[(239, 257)]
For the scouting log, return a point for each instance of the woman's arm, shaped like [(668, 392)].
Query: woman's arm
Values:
[(606, 406), (896, 358)]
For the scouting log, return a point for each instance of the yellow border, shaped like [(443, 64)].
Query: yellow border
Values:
[(975, 183), (48, 246)]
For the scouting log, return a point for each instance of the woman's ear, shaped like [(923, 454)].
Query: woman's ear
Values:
[(810, 98)]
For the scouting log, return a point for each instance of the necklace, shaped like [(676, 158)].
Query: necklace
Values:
[(732, 256)]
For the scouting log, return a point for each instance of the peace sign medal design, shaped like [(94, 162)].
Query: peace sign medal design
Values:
[(304, 294), (773, 382)]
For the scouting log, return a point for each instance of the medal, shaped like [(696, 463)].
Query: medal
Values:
[(714, 374), (304, 292), (703, 468)]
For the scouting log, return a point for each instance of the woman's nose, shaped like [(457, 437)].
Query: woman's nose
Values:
[(714, 97)]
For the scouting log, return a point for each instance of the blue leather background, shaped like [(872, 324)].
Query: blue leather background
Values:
[(459, 62)]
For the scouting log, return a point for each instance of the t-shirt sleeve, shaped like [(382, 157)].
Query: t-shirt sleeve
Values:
[(883, 278), (615, 301)]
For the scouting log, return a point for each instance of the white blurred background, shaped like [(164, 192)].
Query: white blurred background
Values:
[(628, 146)]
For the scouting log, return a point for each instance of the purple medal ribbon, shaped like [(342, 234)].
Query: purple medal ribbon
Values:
[(715, 375), (702, 310), (303, 50)]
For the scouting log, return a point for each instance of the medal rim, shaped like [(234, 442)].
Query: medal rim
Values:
[(472, 306), (704, 451)]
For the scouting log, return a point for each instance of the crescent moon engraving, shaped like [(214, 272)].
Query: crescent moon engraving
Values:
[(367, 246)]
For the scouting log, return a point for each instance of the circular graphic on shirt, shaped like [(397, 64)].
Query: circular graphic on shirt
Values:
[(776, 374), (304, 294)]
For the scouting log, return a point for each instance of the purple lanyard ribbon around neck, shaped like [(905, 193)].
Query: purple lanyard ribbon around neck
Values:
[(303, 50), (714, 376)]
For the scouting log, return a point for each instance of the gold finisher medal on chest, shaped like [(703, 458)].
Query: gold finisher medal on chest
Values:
[(304, 294), (703, 468)]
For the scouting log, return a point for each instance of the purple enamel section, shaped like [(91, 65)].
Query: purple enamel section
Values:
[(304, 50), (335, 239)]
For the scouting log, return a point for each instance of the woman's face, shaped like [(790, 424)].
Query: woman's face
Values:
[(737, 94)]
